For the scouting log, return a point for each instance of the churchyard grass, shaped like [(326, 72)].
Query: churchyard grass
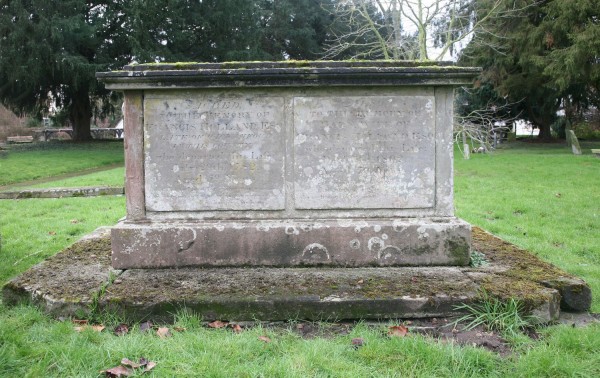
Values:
[(40, 160), (537, 196), (110, 177), (33, 229)]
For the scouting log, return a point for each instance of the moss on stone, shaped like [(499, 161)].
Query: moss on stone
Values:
[(522, 265), (240, 65)]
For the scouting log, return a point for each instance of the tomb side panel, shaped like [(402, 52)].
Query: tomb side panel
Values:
[(214, 151), (370, 152), (134, 155), (444, 152)]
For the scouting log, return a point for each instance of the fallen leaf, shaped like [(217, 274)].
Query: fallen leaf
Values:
[(74, 221), (397, 331), (163, 332), (131, 364), (145, 326), (96, 327), (52, 233), (264, 338), (80, 321), (118, 371), (557, 195), (149, 366), (121, 329), (179, 329), (237, 328), (217, 324), (358, 342), (360, 282)]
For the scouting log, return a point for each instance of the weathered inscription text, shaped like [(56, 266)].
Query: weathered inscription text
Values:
[(212, 153), (364, 152)]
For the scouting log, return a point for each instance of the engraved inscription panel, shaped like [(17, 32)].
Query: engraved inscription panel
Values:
[(210, 152), (364, 152)]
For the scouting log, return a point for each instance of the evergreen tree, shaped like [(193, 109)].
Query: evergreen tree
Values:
[(542, 58), (50, 50)]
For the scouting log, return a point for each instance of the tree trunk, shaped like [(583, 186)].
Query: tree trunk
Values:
[(80, 116), (545, 133)]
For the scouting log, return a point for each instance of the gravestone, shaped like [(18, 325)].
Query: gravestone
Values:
[(574, 142), (289, 164)]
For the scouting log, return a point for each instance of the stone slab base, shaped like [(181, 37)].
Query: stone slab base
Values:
[(66, 283), (80, 280), (343, 243), (291, 293)]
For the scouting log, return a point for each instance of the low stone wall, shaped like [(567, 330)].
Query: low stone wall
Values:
[(63, 192)]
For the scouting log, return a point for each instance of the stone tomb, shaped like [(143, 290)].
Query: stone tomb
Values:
[(289, 164)]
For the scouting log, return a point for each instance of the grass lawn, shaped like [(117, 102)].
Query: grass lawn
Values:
[(110, 177), (537, 196), (41, 160)]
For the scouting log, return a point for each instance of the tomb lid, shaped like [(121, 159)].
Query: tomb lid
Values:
[(288, 73)]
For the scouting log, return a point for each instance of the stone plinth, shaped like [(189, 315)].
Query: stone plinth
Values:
[(289, 164)]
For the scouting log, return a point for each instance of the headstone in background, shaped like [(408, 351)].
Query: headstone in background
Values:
[(574, 142)]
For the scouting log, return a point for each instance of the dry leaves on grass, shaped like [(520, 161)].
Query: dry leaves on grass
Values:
[(163, 332), (121, 330), (146, 326), (95, 327), (128, 368), (217, 324), (82, 324), (265, 339), (237, 328), (357, 342), (117, 371), (397, 331)]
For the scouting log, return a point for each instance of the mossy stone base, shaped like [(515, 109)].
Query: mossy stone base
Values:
[(80, 280)]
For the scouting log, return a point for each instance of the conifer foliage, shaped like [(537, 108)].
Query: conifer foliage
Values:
[(50, 50)]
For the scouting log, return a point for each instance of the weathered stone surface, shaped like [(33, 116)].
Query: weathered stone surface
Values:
[(575, 147), (287, 74), (547, 308), (518, 273), (63, 192), (365, 152), (67, 282), (291, 144), (344, 242), (291, 293), (575, 293), (208, 152), (79, 280)]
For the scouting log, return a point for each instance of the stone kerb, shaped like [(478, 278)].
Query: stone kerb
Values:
[(289, 164)]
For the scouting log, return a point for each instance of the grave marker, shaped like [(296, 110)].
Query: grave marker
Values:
[(289, 164)]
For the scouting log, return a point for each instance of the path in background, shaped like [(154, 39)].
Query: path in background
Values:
[(61, 176)]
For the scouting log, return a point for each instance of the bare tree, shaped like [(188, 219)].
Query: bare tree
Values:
[(482, 129), (409, 29)]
